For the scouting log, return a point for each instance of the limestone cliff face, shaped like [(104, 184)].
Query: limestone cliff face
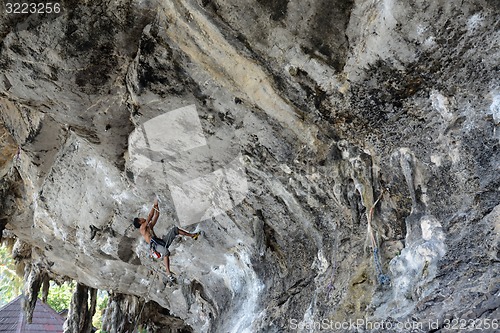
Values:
[(341, 157)]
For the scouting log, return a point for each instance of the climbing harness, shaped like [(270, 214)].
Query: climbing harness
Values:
[(155, 241)]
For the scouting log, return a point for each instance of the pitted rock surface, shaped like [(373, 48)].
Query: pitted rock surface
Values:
[(323, 147)]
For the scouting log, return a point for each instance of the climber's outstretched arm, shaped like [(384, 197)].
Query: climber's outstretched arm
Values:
[(152, 212), (156, 214)]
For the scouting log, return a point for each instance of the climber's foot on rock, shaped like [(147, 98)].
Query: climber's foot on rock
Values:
[(169, 280)]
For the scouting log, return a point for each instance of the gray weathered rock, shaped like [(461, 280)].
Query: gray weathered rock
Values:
[(274, 127)]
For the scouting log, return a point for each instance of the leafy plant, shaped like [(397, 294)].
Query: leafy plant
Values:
[(11, 284), (60, 295), (102, 303), (59, 299)]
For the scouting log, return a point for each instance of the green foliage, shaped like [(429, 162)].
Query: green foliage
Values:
[(11, 284), (102, 303), (60, 295)]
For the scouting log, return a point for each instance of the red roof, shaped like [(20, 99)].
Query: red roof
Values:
[(45, 319)]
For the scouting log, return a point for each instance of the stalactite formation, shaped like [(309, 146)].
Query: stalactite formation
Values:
[(123, 313), (3, 223), (126, 313), (33, 278), (45, 287), (81, 310)]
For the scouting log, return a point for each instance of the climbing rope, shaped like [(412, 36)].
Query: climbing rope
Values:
[(334, 266), (381, 277), (144, 303), (18, 154), (139, 316)]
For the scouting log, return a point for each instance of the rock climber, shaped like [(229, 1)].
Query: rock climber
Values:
[(159, 246)]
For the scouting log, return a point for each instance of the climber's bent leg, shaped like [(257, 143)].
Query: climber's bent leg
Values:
[(186, 233), (166, 261), (170, 236)]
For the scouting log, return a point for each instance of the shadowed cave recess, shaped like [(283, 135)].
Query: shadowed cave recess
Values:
[(341, 158)]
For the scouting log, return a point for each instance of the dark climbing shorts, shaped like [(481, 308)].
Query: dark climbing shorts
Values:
[(168, 239)]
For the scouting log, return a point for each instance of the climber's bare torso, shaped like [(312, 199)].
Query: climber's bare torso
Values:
[(146, 231), (147, 225)]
